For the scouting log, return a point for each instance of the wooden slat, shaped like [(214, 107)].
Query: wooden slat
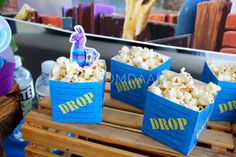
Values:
[(104, 133), (108, 77), (234, 129), (108, 87), (209, 26), (114, 135), (10, 112), (134, 121), (45, 103), (108, 102), (123, 118), (131, 120), (217, 138), (116, 104), (219, 149), (223, 126), (33, 152), (122, 127), (72, 145), (66, 154), (234, 145), (205, 152), (2, 152)]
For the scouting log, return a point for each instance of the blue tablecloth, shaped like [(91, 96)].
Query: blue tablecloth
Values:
[(13, 146)]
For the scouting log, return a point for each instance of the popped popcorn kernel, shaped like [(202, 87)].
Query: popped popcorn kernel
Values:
[(224, 72), (140, 57), (67, 71), (183, 90)]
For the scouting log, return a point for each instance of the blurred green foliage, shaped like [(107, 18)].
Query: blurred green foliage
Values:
[(2, 2), (13, 46)]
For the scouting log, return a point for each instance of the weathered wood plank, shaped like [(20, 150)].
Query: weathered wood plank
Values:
[(108, 77), (134, 121), (116, 104), (66, 154), (234, 145), (73, 145), (234, 129), (122, 118), (108, 87), (222, 126), (33, 152), (218, 138), (104, 133), (131, 120), (10, 112), (108, 102), (2, 153), (122, 137), (210, 23)]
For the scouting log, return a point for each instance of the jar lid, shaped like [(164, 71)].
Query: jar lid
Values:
[(18, 62), (47, 66)]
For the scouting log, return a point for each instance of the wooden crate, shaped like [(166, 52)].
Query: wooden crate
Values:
[(10, 114), (210, 23), (118, 135)]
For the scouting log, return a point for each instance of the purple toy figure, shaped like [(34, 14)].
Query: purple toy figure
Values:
[(7, 64), (79, 53)]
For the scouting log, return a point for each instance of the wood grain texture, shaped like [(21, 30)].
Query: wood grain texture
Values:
[(234, 128), (108, 87), (2, 153), (118, 135), (73, 145), (10, 112), (134, 120), (116, 104), (102, 133), (222, 126), (33, 152), (111, 135), (210, 23)]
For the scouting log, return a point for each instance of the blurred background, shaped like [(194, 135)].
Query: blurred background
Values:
[(180, 23), (38, 27)]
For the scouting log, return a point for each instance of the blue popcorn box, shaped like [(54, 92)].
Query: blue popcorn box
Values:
[(172, 124), (68, 22), (80, 102), (225, 103), (129, 84)]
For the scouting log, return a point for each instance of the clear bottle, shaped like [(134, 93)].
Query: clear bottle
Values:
[(42, 82), (25, 82)]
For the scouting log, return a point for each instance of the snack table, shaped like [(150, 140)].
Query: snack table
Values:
[(10, 114), (118, 135)]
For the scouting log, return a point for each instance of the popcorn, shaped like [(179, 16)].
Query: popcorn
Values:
[(67, 71), (224, 72), (182, 90), (140, 57)]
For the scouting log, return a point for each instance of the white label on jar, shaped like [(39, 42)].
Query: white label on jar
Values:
[(26, 97)]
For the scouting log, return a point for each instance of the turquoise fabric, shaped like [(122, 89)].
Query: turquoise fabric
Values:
[(2, 62), (187, 17), (13, 146)]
